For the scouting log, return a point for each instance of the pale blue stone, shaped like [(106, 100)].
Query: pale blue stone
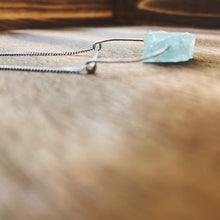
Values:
[(180, 45)]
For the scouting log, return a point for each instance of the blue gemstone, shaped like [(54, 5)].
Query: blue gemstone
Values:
[(180, 45)]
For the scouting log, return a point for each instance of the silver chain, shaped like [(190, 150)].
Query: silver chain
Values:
[(88, 68), (45, 69), (75, 70), (36, 53)]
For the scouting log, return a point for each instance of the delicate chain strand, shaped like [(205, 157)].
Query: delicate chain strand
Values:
[(76, 70), (45, 69), (35, 53)]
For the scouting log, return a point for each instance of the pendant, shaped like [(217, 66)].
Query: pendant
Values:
[(180, 46)]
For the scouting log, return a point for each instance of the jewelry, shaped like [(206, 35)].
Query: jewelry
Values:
[(156, 51)]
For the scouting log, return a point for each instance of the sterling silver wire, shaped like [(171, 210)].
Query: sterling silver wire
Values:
[(41, 53), (90, 65)]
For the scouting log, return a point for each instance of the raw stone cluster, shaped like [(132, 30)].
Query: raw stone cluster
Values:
[(180, 45)]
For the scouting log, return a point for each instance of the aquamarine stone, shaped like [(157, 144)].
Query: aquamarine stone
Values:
[(180, 49)]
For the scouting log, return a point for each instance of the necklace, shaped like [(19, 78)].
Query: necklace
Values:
[(160, 47)]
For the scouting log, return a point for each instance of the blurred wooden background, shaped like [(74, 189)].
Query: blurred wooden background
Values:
[(54, 13), (59, 13), (202, 13)]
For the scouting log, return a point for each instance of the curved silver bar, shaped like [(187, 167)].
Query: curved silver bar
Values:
[(131, 60), (114, 39)]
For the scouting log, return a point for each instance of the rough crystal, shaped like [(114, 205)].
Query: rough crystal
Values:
[(180, 49)]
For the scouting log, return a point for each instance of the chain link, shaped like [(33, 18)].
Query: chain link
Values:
[(76, 70), (36, 53)]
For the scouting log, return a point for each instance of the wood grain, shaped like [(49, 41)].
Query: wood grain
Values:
[(204, 8), (58, 13), (133, 142), (204, 13), (45, 13)]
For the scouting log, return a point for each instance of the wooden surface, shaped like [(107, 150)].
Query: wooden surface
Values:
[(60, 13), (136, 141), (56, 13)]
